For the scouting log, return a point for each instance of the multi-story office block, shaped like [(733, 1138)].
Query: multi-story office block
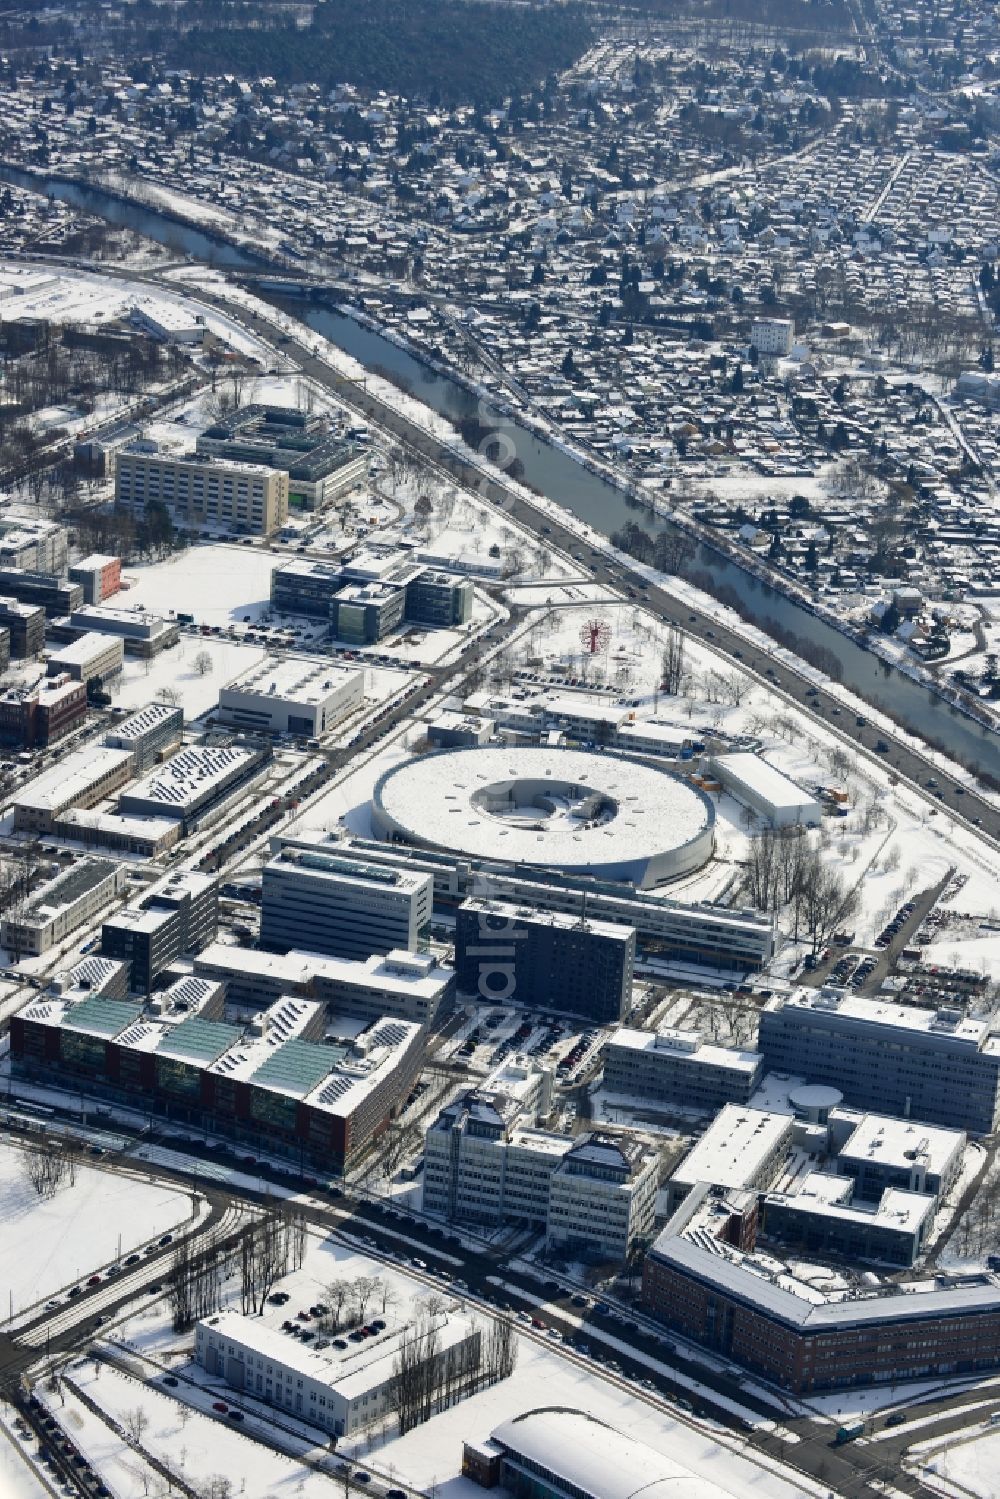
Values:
[(142, 634), (46, 591), (39, 546), (483, 1164), (331, 904), (100, 577), (320, 465), (88, 657), (203, 492), (148, 734), (61, 905), (364, 613), (83, 779), (25, 624), (937, 1066), (179, 915), (543, 959), (678, 1067), (439, 599)]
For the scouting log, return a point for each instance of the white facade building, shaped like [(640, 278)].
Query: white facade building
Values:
[(773, 336), (341, 1390), (304, 696), (773, 796)]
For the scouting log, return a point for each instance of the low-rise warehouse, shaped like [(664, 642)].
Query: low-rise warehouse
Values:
[(194, 781), (61, 905), (90, 655), (82, 780), (771, 795)]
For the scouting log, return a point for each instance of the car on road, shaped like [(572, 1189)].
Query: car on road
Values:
[(221, 1406), (170, 1380), (897, 1418)]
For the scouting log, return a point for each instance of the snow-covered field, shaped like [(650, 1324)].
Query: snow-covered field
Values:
[(175, 670), (967, 1469), (217, 584), (47, 1244)]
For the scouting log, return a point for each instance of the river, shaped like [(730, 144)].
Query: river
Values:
[(559, 476)]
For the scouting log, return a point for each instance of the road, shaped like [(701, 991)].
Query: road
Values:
[(617, 1341), (942, 791)]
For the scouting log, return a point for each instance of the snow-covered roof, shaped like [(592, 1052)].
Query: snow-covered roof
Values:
[(576, 809), (588, 1457)]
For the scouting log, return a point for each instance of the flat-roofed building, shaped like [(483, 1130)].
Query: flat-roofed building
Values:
[(329, 903), (195, 781), (880, 1152), (341, 1386), (33, 545), (179, 915), (147, 836), (99, 576), (203, 493), (297, 695), (83, 779), (26, 626), (142, 634), (939, 1066), (62, 904), (825, 1216), (679, 1067), (774, 796), (742, 1148), (90, 656), (320, 465), (48, 591), (514, 954), (148, 734)]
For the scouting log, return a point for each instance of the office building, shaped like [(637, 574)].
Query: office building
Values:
[(44, 590), (543, 960), (40, 713), (142, 634), (321, 467), (179, 915), (439, 599), (147, 836), (723, 937), (298, 695), (936, 1066), (407, 985), (99, 576), (273, 1085), (773, 797), (365, 613), (91, 977), (331, 904), (742, 1149), (703, 1277), (824, 1217), (25, 625), (485, 1163), (148, 734), (202, 493), (88, 658), (556, 1451), (341, 1385), (83, 779), (34, 546), (879, 1153), (196, 781), (302, 586), (57, 908), (676, 1067), (4, 649)]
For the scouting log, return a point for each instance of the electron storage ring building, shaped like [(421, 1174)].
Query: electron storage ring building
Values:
[(582, 812)]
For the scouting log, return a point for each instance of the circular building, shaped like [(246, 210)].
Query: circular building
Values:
[(581, 812)]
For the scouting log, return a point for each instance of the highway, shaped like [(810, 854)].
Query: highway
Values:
[(944, 793)]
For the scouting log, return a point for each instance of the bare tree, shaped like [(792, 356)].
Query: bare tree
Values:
[(672, 662), (136, 1422), (203, 663)]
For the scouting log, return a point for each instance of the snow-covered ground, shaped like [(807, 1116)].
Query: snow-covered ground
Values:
[(18, 1479), (47, 1244), (217, 584), (968, 1468), (176, 671)]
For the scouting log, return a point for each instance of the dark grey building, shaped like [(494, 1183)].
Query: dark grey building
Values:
[(439, 599), (47, 591), (25, 624), (178, 916), (365, 613), (937, 1066), (544, 959)]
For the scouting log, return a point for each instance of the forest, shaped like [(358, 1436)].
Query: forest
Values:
[(444, 51)]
